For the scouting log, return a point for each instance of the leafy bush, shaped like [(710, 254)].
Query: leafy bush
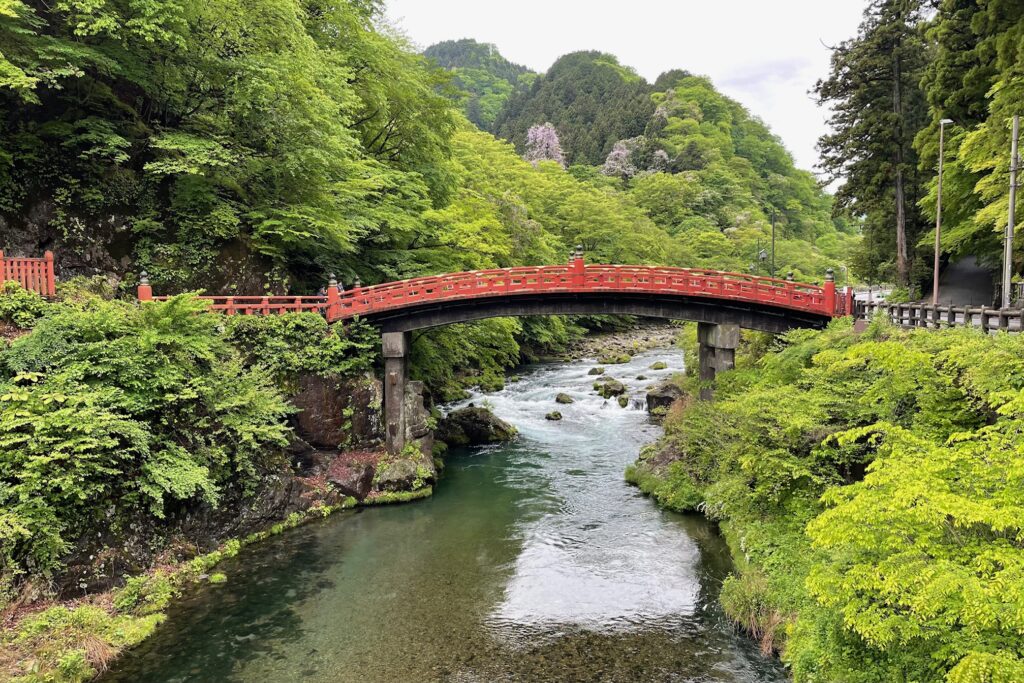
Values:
[(20, 306), (869, 487), (108, 409), (303, 342)]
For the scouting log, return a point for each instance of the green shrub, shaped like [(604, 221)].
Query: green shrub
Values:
[(868, 486), (107, 405), (303, 342), (19, 306)]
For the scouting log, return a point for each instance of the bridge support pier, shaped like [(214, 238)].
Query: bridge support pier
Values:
[(396, 346), (717, 353)]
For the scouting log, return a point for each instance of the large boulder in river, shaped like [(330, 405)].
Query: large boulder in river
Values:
[(473, 426), (564, 399), (608, 387), (661, 397)]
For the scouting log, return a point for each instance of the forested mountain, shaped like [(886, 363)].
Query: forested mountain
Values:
[(697, 163), (962, 63), (485, 78), (592, 100)]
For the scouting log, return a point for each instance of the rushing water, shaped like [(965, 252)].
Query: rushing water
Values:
[(533, 561)]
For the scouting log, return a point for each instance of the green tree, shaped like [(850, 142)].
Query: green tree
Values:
[(878, 107)]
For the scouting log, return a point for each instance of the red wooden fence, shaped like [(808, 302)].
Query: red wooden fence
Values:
[(573, 278), (35, 274)]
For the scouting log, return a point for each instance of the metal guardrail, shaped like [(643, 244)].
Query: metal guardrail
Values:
[(922, 315)]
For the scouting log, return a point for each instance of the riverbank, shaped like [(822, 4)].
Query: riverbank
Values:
[(533, 560), (864, 483), (125, 583)]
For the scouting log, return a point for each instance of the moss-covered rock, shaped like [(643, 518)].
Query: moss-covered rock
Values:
[(553, 416), (564, 399), (596, 371), (623, 401), (660, 365), (608, 387), (473, 426)]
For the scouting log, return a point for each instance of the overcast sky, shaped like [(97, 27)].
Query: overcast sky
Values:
[(766, 54)]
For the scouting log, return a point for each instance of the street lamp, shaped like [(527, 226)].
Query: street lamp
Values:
[(938, 214)]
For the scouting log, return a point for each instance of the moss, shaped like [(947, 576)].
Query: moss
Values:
[(673, 489), (623, 401), (218, 577), (71, 644), (613, 358), (390, 497), (660, 365)]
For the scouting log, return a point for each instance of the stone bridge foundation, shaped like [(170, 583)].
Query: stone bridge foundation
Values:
[(396, 347), (717, 353)]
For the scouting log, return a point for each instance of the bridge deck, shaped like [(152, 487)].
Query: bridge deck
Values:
[(574, 278)]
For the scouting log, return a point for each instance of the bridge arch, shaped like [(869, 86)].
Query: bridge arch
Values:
[(721, 303)]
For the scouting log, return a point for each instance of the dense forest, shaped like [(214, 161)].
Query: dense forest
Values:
[(912, 65), (699, 166)]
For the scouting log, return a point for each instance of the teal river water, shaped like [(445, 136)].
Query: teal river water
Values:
[(533, 561)]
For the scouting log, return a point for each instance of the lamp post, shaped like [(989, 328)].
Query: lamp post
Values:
[(938, 214), (1008, 246)]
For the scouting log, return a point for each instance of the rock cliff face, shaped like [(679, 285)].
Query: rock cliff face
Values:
[(336, 453), (106, 246)]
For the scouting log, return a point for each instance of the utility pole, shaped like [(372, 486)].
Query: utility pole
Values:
[(773, 242), (1008, 247), (938, 214)]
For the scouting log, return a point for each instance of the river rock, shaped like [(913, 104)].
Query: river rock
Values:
[(660, 365), (564, 399), (352, 479), (553, 416), (615, 358), (662, 396), (623, 401), (473, 426), (410, 470), (596, 371), (607, 387)]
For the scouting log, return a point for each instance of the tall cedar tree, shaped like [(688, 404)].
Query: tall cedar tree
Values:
[(878, 108), (976, 79)]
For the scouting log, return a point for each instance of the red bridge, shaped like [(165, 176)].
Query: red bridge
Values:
[(721, 303), (785, 299)]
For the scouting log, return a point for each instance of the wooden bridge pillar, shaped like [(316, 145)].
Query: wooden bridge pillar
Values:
[(717, 351), (396, 346)]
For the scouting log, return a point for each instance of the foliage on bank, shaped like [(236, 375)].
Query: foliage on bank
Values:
[(111, 412), (870, 487)]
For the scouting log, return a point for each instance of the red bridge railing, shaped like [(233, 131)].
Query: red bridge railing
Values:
[(573, 278), (35, 274)]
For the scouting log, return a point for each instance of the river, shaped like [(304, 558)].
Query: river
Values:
[(533, 561)]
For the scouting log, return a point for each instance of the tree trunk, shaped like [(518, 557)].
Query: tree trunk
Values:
[(902, 260)]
